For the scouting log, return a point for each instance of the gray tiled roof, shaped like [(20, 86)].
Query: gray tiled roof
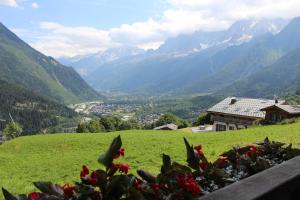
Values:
[(288, 108), (243, 107)]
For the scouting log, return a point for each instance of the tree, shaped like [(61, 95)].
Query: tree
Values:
[(108, 123), (169, 118), (204, 118), (94, 126), (13, 129), (129, 125)]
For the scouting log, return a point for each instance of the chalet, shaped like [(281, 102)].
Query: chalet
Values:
[(237, 113), (277, 113), (170, 127)]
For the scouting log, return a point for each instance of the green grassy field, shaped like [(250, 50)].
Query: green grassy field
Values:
[(59, 157)]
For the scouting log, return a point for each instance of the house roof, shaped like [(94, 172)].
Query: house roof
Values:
[(246, 107), (169, 126), (287, 108)]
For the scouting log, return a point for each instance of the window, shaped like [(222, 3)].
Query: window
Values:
[(231, 128), (220, 127), (275, 117)]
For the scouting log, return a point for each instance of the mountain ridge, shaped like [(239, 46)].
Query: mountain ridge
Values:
[(22, 65)]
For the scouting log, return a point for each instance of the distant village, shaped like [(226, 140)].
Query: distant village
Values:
[(232, 113), (124, 111)]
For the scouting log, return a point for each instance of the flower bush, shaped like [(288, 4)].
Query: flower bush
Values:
[(175, 181)]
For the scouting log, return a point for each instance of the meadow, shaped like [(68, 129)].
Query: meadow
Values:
[(59, 157)]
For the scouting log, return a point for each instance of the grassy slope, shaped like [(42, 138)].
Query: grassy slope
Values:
[(59, 157)]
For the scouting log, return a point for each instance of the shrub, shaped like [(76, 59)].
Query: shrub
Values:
[(175, 181), (204, 118), (13, 129), (169, 118)]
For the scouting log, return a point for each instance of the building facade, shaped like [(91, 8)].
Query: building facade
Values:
[(238, 113), (277, 113)]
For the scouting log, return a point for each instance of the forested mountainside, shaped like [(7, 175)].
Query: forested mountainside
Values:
[(24, 66), (36, 114), (282, 77)]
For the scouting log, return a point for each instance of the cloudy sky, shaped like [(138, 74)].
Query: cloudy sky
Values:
[(77, 27)]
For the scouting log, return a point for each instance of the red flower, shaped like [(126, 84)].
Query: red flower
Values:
[(198, 147), (188, 183), (93, 180), (33, 196), (121, 152), (198, 150), (251, 150), (222, 162), (68, 190), (138, 184), (123, 168), (155, 187), (203, 165), (84, 172)]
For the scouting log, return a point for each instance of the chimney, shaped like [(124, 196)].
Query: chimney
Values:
[(276, 99), (233, 101)]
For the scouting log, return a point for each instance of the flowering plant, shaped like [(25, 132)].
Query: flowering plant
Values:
[(175, 181)]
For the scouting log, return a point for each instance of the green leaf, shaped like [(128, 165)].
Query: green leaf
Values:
[(49, 188), (192, 160), (166, 164), (118, 186), (107, 158), (146, 176), (7, 195)]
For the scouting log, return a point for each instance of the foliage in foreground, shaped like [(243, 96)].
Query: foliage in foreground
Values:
[(175, 181)]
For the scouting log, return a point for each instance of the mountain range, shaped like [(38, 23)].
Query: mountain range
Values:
[(207, 62), (22, 65)]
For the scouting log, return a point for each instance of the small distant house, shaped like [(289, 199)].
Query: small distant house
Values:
[(171, 127), (237, 113), (277, 112)]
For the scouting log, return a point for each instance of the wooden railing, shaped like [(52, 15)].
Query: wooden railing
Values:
[(281, 182)]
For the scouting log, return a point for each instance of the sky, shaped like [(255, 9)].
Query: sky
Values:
[(61, 28)]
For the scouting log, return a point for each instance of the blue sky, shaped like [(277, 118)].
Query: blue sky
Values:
[(102, 14), (76, 27)]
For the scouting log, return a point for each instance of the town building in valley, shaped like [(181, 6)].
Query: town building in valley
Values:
[(237, 113)]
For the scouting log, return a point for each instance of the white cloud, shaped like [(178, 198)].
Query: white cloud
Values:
[(182, 17), (237, 9), (58, 40), (35, 5), (11, 3)]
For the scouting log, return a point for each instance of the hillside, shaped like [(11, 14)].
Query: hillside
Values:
[(59, 157), (33, 112), (283, 77), (24, 66)]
